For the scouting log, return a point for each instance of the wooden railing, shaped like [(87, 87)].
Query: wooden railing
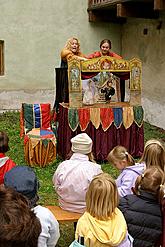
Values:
[(119, 10), (102, 3), (99, 1), (109, 12), (158, 4)]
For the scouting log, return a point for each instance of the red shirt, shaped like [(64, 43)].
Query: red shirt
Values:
[(6, 164), (98, 54)]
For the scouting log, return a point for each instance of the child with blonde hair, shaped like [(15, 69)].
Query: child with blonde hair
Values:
[(142, 210), (129, 170), (154, 154), (102, 224)]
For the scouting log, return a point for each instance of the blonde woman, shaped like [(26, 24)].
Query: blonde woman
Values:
[(129, 170), (71, 50), (102, 224)]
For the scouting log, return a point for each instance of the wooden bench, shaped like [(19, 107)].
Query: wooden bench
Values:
[(64, 216)]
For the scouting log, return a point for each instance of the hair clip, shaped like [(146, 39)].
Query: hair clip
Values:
[(142, 175), (139, 188), (126, 153)]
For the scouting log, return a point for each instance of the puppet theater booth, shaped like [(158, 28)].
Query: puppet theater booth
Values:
[(95, 105)]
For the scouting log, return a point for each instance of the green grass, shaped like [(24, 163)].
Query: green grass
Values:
[(151, 132), (9, 122)]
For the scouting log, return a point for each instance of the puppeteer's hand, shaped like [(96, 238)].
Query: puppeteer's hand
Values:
[(83, 58)]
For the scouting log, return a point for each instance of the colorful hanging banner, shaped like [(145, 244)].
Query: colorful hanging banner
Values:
[(118, 117), (128, 117), (107, 117), (138, 115), (84, 118), (73, 118), (95, 117)]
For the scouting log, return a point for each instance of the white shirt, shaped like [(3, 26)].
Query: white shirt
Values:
[(71, 181), (50, 227)]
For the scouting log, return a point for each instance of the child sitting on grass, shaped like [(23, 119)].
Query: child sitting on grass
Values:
[(5, 162), (154, 154), (103, 224), (73, 176), (142, 210), (24, 180), (130, 170), (19, 226)]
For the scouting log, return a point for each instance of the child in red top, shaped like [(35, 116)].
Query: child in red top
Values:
[(6, 164)]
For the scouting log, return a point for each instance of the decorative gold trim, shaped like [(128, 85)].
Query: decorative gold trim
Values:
[(105, 63), (74, 75), (74, 82), (136, 74)]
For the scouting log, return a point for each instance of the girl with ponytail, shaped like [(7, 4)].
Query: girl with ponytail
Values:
[(129, 170), (142, 210)]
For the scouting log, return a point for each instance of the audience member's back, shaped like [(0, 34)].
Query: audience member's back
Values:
[(19, 226), (5, 162), (142, 210), (72, 177), (129, 170), (24, 181), (154, 154), (103, 224)]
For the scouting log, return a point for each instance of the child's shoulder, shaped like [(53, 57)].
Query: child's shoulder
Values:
[(136, 168), (43, 213)]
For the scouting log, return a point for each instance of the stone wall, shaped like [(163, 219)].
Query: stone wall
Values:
[(34, 32), (145, 39)]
